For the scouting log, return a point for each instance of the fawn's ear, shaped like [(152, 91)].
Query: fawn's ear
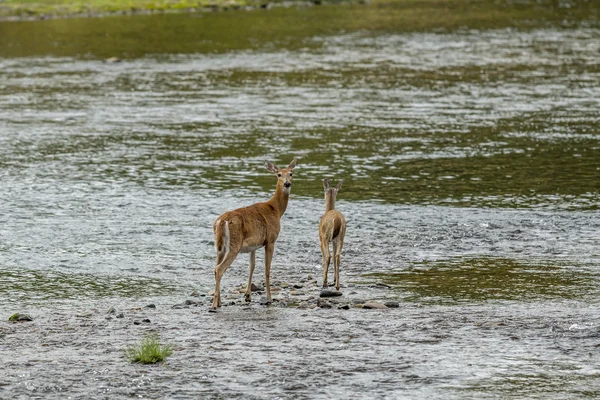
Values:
[(326, 184), (339, 185), (271, 167), (292, 165)]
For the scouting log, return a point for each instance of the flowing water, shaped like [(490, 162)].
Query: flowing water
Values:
[(470, 154)]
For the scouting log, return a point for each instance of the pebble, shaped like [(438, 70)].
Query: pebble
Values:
[(344, 307), (112, 60), (120, 315), (254, 288), (330, 293), (195, 293), (392, 304), (151, 306), (111, 310)]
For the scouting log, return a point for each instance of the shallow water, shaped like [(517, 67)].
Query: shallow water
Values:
[(470, 159)]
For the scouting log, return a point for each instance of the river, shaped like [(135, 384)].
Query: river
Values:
[(470, 154)]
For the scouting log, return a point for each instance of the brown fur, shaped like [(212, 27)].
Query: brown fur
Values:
[(250, 228), (332, 229)]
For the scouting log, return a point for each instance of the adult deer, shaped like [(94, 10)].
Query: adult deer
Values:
[(247, 229), (332, 229)]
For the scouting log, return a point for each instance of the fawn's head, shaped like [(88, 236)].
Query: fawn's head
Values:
[(331, 192), (284, 175)]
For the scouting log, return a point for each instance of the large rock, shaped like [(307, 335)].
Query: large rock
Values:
[(330, 293)]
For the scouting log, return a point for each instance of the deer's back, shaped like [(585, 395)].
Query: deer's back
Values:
[(255, 225)]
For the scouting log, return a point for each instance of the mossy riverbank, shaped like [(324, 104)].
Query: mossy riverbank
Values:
[(46, 9)]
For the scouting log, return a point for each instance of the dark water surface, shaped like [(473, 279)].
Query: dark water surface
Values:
[(470, 149)]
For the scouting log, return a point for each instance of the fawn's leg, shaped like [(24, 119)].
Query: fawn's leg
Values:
[(326, 259)]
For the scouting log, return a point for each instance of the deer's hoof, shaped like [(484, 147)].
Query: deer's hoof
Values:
[(247, 298), (212, 310)]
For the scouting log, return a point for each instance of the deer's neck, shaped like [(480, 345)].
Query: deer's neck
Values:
[(280, 200), (329, 203)]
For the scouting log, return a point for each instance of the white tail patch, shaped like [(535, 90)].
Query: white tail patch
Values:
[(226, 237)]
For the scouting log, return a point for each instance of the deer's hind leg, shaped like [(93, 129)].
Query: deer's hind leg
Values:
[(326, 259), (219, 271), (338, 243)]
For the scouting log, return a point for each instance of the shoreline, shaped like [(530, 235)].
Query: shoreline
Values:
[(58, 11)]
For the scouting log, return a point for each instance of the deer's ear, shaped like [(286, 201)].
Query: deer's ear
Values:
[(326, 184), (339, 185), (292, 165), (271, 167)]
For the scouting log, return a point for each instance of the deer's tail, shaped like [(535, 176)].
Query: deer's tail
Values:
[(222, 237), (337, 227)]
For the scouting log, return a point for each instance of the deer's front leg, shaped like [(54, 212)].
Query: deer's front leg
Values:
[(248, 293), (269, 250)]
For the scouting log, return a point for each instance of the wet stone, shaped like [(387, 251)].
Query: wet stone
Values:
[(146, 321), (392, 304), (344, 307), (381, 286), (324, 304), (120, 315), (111, 310), (18, 317), (85, 314), (195, 293), (151, 306), (264, 301), (191, 303), (330, 293), (374, 305)]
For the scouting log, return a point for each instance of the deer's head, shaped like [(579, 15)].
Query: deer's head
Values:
[(284, 175)]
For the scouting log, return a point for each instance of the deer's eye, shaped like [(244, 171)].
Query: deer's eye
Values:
[(279, 175), (290, 174)]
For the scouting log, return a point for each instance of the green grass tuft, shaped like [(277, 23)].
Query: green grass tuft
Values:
[(149, 351)]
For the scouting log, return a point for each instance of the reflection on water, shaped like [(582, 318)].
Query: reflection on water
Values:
[(485, 279), (36, 287), (462, 119)]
